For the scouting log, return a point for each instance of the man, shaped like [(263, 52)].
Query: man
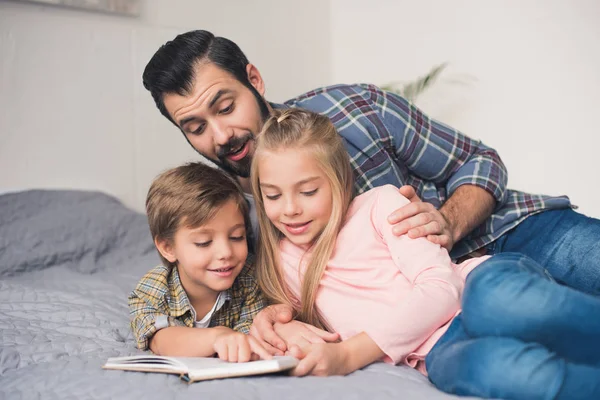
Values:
[(206, 86)]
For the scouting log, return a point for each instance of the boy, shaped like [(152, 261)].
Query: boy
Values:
[(201, 301)]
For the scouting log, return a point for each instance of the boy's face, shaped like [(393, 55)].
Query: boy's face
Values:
[(211, 256)]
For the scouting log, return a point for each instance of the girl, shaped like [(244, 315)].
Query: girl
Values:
[(508, 332)]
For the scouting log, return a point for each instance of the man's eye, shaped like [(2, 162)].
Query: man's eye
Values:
[(227, 109), (273, 196), (203, 244), (198, 130), (310, 193)]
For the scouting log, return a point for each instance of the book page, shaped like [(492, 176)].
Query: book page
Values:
[(214, 368), (147, 363)]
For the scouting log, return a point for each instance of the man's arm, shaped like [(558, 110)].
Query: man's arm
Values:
[(447, 225), (478, 201), (473, 174)]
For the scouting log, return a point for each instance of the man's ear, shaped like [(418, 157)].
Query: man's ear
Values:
[(165, 249), (255, 79)]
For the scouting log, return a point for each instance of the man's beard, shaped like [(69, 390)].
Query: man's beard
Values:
[(239, 168)]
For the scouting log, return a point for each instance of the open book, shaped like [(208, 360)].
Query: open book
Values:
[(192, 369)]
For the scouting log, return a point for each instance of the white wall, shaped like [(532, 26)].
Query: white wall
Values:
[(73, 112), (531, 86)]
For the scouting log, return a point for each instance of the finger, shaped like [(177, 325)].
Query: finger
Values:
[(412, 223), (428, 228), (262, 329), (409, 192), (258, 349), (442, 240), (409, 210), (296, 351), (326, 336), (306, 365), (244, 351), (284, 313), (272, 350), (303, 342), (223, 352), (232, 351)]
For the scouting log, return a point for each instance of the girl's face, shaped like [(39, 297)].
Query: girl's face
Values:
[(296, 194)]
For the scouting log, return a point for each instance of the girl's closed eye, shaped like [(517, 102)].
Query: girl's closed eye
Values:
[(238, 238), (272, 196), (203, 244), (310, 192)]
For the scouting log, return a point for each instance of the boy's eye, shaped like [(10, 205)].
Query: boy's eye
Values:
[(227, 109), (203, 244), (272, 196), (310, 193), (238, 238)]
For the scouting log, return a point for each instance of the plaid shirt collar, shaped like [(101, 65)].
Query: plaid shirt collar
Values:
[(178, 301)]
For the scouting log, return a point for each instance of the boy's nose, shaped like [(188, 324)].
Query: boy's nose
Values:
[(224, 251)]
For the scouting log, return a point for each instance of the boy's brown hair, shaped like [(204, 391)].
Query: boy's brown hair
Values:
[(189, 195)]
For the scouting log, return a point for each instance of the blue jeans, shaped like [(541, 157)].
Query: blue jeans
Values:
[(520, 336), (565, 242)]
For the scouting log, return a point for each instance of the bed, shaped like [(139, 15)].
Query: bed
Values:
[(68, 260)]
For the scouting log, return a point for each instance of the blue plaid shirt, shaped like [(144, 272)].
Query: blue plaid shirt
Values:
[(390, 141)]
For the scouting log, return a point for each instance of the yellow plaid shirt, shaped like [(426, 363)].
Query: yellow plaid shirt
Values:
[(159, 301)]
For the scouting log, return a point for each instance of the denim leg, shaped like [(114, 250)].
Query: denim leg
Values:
[(506, 368), (565, 242), (510, 295)]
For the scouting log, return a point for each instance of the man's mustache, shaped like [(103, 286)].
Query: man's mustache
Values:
[(234, 143)]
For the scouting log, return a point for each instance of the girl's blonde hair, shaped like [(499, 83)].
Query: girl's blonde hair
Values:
[(306, 131)]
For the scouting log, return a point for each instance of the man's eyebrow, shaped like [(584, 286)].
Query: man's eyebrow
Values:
[(212, 102), (184, 121), (217, 96)]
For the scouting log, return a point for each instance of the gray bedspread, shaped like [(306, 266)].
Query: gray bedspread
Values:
[(68, 260)]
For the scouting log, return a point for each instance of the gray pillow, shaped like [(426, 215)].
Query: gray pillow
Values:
[(83, 230)]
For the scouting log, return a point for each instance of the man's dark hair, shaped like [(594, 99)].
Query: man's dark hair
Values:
[(171, 69)]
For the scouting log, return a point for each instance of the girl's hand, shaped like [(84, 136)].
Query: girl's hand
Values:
[(301, 334), (320, 359), (234, 346), (262, 327), (324, 359)]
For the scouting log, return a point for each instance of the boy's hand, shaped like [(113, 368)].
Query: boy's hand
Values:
[(321, 359), (234, 346)]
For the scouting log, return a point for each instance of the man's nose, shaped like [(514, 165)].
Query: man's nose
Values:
[(222, 133)]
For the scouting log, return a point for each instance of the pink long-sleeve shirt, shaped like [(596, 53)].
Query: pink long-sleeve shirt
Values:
[(401, 292)]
